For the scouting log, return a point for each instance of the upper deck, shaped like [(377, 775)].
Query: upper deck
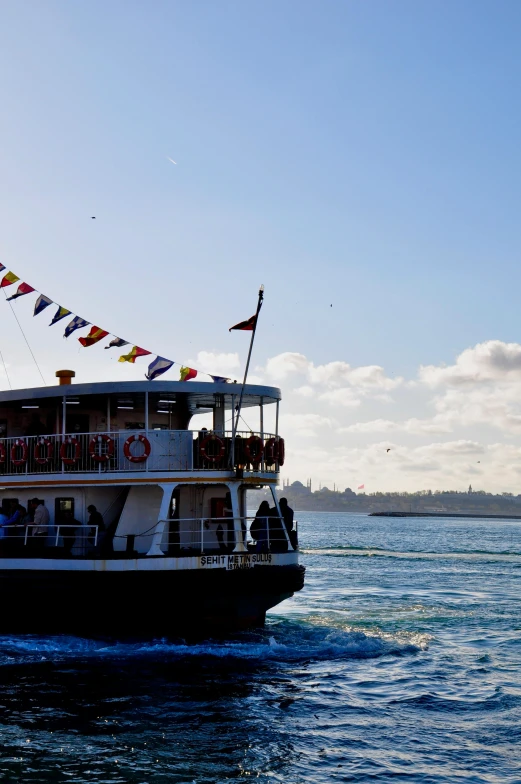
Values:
[(135, 426)]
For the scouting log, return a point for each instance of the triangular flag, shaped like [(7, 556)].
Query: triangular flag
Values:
[(8, 279), (76, 323), (2, 267), (249, 324), (117, 343), (94, 335), (133, 355), (219, 379), (60, 313), (186, 373), (159, 366), (41, 303), (23, 288)]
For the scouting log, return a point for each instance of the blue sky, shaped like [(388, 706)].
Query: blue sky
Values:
[(363, 155)]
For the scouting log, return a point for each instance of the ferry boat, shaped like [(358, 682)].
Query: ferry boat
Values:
[(173, 551)]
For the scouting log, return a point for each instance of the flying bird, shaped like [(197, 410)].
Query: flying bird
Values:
[(388, 449), (93, 217), (171, 161), (479, 461)]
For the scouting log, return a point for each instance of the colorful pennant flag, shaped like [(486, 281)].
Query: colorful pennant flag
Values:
[(248, 325), (94, 335), (159, 366), (41, 303), (76, 323), (8, 279), (2, 267), (361, 487), (219, 379), (60, 313), (133, 355), (186, 373), (23, 288), (117, 343)]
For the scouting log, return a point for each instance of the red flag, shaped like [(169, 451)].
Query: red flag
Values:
[(361, 487), (23, 288), (94, 335), (247, 325)]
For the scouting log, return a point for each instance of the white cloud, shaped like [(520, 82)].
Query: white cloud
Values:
[(305, 391), (219, 364), (305, 425), (345, 412), (489, 361), (438, 424), (342, 397)]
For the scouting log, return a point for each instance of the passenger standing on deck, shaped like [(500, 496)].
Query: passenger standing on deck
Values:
[(95, 519), (41, 524), (259, 529), (287, 514), (3, 521)]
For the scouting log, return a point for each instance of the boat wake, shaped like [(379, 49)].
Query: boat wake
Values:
[(378, 552), (284, 640)]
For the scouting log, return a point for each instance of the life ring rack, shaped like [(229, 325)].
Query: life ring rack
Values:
[(212, 439), (18, 461), (48, 445), (137, 458), (64, 457), (102, 438)]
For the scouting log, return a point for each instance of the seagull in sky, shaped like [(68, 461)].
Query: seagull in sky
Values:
[(171, 161), (388, 449)]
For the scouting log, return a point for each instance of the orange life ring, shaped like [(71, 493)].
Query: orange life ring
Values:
[(270, 451), (103, 438), (281, 452), (47, 443), (63, 451), (253, 449), (2, 453), (212, 439), (18, 461), (137, 458)]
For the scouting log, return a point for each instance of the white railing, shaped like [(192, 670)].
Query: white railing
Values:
[(187, 536), (25, 534), (141, 451)]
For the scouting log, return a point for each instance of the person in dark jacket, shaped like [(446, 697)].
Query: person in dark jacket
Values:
[(95, 519), (259, 529)]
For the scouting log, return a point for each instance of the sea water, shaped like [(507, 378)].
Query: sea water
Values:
[(400, 661)]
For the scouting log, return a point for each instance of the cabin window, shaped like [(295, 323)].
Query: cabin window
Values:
[(63, 510), (157, 426)]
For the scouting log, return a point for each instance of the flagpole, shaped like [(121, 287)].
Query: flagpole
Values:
[(259, 306)]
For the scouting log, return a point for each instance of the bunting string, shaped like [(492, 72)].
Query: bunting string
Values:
[(156, 368)]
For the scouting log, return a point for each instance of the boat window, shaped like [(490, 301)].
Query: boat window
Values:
[(62, 508)]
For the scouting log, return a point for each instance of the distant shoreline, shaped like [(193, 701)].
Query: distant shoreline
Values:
[(446, 514)]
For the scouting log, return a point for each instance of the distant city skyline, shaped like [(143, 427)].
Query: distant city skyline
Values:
[(360, 160)]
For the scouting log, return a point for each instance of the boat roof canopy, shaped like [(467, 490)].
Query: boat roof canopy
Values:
[(197, 394)]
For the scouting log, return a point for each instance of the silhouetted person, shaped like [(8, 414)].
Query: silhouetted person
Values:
[(36, 428), (68, 532), (259, 529), (278, 541), (95, 519)]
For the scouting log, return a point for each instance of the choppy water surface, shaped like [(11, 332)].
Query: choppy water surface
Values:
[(400, 661)]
